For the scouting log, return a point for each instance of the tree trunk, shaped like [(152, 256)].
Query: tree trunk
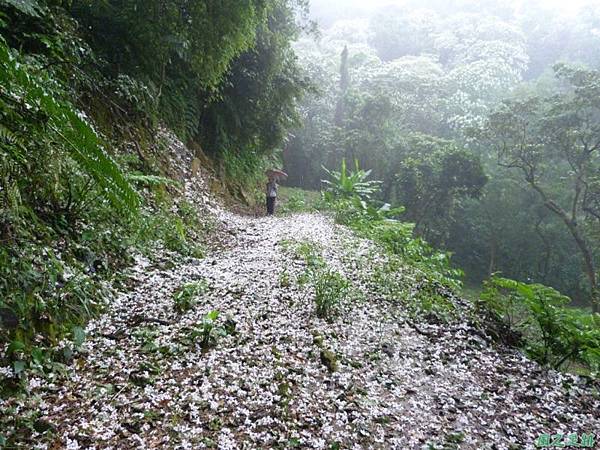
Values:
[(344, 84), (492, 264), (584, 249), (589, 265), (544, 266)]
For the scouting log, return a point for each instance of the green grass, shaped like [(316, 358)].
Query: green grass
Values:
[(184, 298), (471, 292), (294, 200), (331, 288)]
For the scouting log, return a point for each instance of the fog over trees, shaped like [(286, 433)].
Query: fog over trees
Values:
[(323, 224), (482, 119)]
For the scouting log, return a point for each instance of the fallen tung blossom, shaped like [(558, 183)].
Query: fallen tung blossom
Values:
[(129, 394), (141, 381)]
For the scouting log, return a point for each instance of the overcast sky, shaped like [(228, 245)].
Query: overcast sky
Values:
[(347, 8), (567, 6)]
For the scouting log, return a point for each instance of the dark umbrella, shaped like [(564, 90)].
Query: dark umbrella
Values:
[(276, 173)]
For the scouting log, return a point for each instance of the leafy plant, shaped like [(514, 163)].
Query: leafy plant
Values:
[(553, 332), (344, 184), (41, 309), (422, 296), (31, 100), (185, 296), (27, 7), (360, 214), (208, 331), (151, 180), (294, 200), (310, 253), (178, 229), (434, 277), (330, 289)]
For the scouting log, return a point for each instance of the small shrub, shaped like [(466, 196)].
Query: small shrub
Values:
[(146, 337), (306, 251), (330, 289), (432, 301), (184, 297), (553, 333), (45, 298), (353, 183), (207, 332), (329, 360), (348, 196)]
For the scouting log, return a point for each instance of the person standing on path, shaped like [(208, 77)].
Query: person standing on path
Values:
[(271, 196)]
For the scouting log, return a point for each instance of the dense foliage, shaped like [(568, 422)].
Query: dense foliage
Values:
[(479, 121), (84, 88), (549, 331), (534, 317), (346, 197)]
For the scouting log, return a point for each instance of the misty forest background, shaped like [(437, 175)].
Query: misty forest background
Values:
[(479, 122), (438, 234), (480, 118)]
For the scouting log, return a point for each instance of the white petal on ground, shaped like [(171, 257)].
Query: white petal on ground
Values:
[(266, 387)]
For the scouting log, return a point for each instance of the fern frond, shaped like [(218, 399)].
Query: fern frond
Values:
[(12, 144), (192, 118), (151, 180), (8, 137), (79, 138), (28, 7)]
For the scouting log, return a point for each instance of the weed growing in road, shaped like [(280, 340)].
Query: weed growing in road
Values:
[(330, 289), (208, 331), (311, 254), (146, 338), (184, 297), (284, 279)]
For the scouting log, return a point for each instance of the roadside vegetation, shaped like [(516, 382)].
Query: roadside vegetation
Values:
[(89, 182), (533, 317)]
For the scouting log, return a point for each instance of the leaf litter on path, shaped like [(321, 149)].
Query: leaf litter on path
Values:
[(141, 382)]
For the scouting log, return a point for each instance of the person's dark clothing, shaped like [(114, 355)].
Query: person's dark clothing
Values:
[(271, 196), (271, 205)]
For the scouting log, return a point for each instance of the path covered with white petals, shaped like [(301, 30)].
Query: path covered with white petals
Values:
[(140, 381)]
